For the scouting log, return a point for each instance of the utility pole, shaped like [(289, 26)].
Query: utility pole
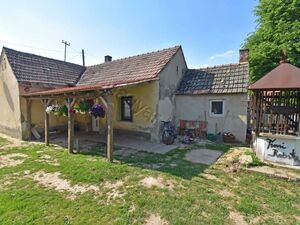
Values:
[(66, 44), (83, 59)]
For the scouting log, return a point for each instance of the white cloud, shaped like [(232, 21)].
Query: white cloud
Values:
[(226, 54)]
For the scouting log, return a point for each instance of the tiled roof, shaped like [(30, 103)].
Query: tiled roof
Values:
[(231, 78), (141, 67), (33, 68)]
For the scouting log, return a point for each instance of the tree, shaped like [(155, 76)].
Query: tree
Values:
[(278, 28)]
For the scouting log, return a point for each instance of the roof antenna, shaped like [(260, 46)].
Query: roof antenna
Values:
[(283, 56), (66, 44)]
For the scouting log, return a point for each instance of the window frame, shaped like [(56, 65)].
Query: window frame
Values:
[(210, 108), (123, 99)]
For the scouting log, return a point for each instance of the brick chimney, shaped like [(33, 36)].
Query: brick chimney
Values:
[(244, 55), (107, 58)]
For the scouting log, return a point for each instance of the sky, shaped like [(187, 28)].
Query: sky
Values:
[(211, 32)]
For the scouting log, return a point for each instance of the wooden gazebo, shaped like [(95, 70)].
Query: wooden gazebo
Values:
[(275, 101)]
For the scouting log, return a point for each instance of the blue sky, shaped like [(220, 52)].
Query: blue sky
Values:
[(210, 31)]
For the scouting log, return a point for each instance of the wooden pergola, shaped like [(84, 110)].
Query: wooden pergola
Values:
[(71, 95), (275, 103)]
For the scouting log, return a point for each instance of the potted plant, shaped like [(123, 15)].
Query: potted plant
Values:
[(97, 110), (83, 107), (56, 110), (50, 109), (63, 109)]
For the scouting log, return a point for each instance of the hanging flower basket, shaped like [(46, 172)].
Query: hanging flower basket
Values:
[(63, 109), (57, 110), (83, 107), (97, 110), (72, 111), (50, 109)]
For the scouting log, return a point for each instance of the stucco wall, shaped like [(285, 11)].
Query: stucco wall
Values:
[(37, 116), (145, 97), (169, 79), (193, 107), (10, 118)]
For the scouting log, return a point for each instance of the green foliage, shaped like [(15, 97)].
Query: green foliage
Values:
[(278, 28), (256, 161), (218, 147)]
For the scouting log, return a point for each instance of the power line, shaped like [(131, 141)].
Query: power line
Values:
[(74, 56), (53, 50), (28, 46)]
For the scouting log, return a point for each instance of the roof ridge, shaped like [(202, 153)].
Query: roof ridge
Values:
[(138, 55), (35, 55), (222, 65)]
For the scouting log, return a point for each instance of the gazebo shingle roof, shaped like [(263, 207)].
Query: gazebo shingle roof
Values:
[(284, 76)]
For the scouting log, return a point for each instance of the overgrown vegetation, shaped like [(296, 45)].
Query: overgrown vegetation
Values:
[(255, 161), (199, 195), (278, 28)]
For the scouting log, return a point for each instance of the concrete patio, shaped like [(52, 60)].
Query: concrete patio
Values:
[(89, 140)]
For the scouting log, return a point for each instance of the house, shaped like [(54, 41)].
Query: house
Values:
[(216, 95), (143, 90), (138, 92)]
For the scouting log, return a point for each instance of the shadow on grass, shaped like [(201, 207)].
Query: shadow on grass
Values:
[(172, 162)]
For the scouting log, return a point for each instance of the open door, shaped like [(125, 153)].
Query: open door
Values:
[(95, 124)]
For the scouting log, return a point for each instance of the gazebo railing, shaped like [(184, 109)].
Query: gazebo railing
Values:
[(276, 111)]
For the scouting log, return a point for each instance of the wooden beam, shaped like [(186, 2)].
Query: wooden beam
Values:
[(70, 103), (103, 101), (46, 103), (110, 132), (95, 94), (28, 118)]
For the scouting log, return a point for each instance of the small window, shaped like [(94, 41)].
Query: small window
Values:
[(126, 108), (217, 108)]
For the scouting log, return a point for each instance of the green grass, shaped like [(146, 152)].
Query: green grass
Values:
[(256, 161), (193, 200), (3, 142)]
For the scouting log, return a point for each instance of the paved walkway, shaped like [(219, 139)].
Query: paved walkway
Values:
[(203, 156)]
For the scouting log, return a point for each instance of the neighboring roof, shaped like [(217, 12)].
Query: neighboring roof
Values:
[(38, 69), (231, 78), (284, 76), (136, 68)]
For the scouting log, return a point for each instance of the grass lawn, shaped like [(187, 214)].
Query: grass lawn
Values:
[(46, 185)]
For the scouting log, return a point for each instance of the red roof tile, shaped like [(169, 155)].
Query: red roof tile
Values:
[(131, 69)]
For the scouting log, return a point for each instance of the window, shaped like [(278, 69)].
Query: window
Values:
[(217, 108), (126, 108)]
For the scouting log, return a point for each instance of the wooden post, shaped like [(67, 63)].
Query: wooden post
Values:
[(70, 102), (110, 132), (46, 103), (28, 117)]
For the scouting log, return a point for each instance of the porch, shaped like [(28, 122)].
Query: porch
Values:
[(69, 98)]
